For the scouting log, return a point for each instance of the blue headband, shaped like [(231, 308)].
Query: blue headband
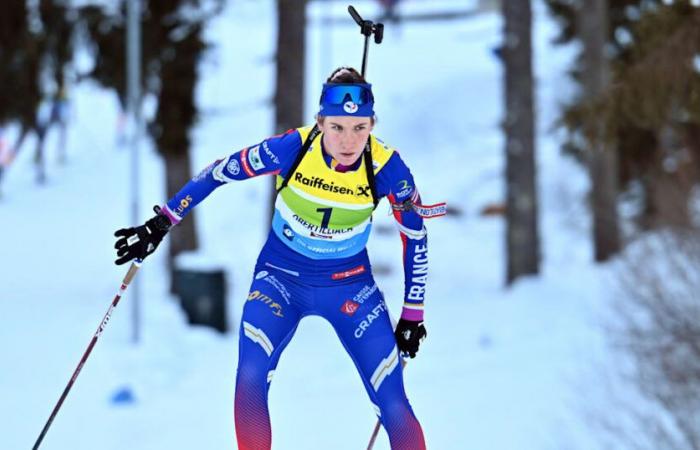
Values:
[(347, 99)]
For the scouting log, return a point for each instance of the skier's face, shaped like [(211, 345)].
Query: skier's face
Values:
[(344, 137)]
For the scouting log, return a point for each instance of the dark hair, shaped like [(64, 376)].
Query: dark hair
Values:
[(345, 75)]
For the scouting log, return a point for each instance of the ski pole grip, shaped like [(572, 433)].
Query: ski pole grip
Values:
[(132, 272)]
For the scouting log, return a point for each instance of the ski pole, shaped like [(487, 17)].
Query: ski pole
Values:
[(378, 425), (125, 283), (367, 28)]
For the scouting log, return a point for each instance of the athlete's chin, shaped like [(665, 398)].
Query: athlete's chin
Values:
[(348, 159)]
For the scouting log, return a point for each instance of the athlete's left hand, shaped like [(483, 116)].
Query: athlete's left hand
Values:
[(409, 335)]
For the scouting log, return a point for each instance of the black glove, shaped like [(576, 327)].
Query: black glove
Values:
[(140, 242), (409, 335)]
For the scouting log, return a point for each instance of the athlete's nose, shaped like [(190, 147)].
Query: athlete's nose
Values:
[(346, 142)]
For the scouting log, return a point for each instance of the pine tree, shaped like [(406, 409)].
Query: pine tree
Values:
[(651, 109)]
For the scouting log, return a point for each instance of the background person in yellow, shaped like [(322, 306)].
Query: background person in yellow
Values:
[(314, 262)]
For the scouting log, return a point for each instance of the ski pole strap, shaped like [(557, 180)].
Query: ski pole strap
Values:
[(304, 148)]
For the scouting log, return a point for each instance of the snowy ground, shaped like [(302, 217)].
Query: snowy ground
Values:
[(501, 369)]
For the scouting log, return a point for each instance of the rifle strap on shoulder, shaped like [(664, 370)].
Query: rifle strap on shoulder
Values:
[(304, 148), (369, 167)]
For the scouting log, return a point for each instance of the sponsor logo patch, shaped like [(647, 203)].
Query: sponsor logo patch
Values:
[(184, 203), (348, 273), (349, 307), (275, 307), (269, 153), (261, 274), (405, 189), (365, 293), (233, 167), (322, 184), (265, 275), (318, 231), (287, 232), (363, 191), (279, 286), (350, 107), (254, 158), (369, 318), (244, 162)]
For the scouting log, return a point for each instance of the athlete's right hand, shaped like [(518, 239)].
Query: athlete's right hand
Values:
[(139, 242)]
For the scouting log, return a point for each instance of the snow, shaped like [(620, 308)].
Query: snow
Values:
[(501, 369)]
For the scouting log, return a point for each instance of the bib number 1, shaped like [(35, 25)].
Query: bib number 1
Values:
[(326, 216)]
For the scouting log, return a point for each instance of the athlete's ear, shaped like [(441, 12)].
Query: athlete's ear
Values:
[(319, 122)]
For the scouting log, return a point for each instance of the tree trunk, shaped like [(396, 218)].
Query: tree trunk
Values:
[(174, 119), (602, 157), (39, 159), (289, 85), (184, 236), (671, 182), (522, 235)]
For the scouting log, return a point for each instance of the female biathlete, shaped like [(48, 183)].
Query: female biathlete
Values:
[(314, 262)]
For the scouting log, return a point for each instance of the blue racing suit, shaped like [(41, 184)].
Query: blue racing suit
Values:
[(314, 262)]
